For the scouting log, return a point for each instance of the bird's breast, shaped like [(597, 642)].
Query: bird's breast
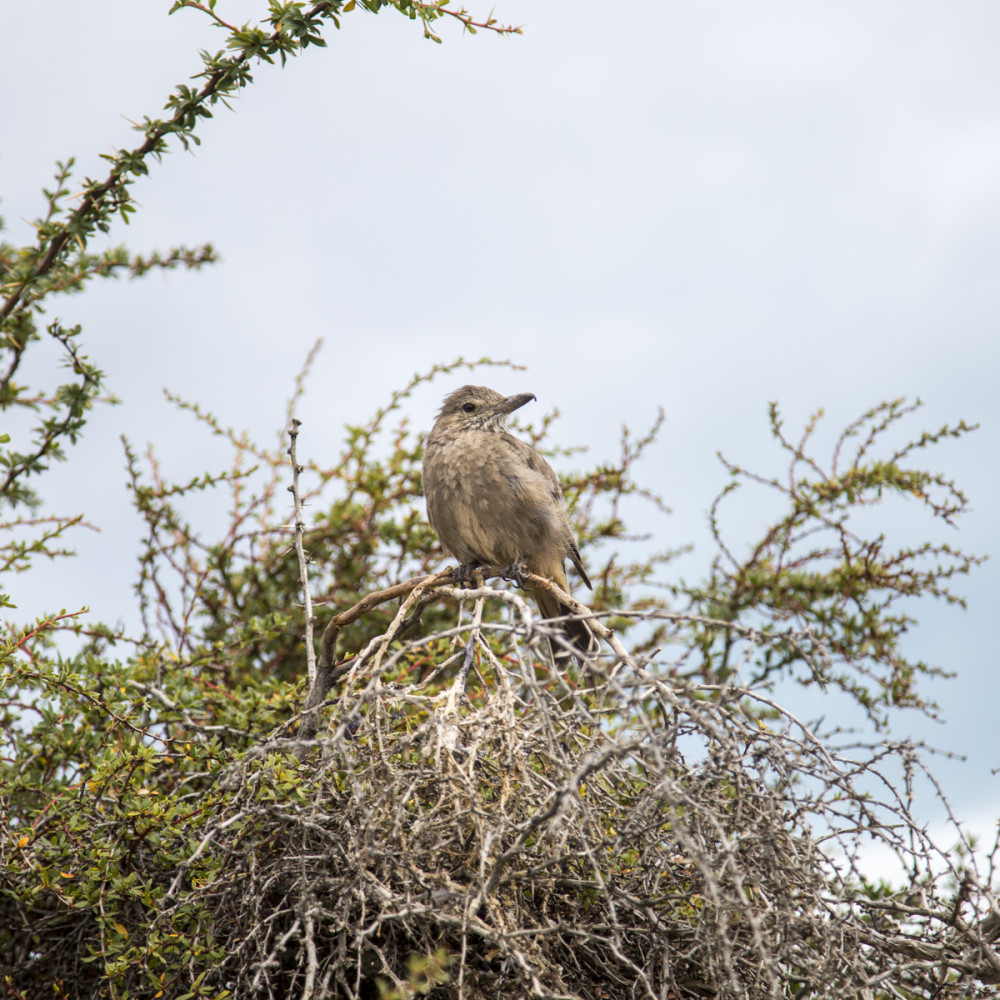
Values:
[(485, 505)]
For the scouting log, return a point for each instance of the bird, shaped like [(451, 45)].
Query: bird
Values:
[(494, 501)]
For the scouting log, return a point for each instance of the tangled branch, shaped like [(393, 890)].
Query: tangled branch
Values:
[(542, 837)]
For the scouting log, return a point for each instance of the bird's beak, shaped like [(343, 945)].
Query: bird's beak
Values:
[(512, 403)]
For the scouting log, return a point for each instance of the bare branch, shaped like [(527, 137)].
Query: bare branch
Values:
[(300, 552)]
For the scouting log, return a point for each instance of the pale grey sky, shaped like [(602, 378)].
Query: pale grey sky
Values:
[(699, 206)]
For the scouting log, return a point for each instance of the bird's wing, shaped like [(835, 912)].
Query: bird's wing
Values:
[(536, 463)]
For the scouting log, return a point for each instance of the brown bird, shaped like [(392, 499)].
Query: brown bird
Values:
[(494, 501)]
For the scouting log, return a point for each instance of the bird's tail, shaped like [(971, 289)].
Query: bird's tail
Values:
[(577, 632)]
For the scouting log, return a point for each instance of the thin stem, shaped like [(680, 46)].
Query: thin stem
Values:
[(300, 552)]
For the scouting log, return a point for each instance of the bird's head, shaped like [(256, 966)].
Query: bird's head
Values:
[(474, 407)]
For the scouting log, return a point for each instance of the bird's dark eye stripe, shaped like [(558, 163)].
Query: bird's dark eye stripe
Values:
[(469, 407)]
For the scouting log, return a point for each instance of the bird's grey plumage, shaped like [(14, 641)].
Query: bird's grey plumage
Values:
[(494, 501)]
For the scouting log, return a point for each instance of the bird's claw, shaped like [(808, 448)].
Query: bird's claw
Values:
[(514, 572), (462, 575)]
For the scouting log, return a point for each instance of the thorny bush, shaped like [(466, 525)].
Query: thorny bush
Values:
[(470, 822)]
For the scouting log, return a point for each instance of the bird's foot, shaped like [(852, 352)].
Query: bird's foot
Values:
[(514, 572), (463, 575)]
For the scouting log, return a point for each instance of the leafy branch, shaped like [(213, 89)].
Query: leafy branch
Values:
[(813, 569), (58, 260)]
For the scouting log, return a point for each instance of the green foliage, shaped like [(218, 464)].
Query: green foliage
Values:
[(104, 812), (43, 424), (425, 972), (813, 570), (58, 260)]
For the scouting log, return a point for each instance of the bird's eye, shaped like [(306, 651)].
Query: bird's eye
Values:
[(469, 407)]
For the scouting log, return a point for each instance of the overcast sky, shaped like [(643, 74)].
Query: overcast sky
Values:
[(700, 206)]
